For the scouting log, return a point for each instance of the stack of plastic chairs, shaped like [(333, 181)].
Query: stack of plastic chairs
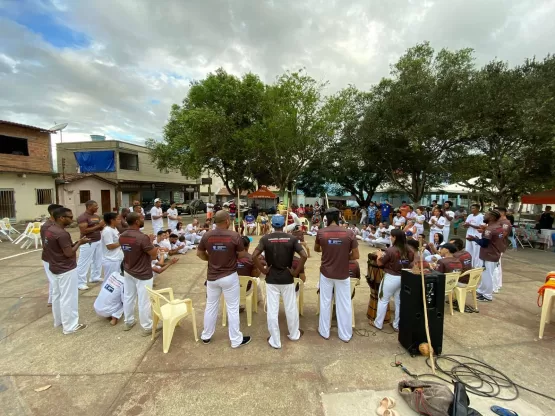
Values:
[(24, 235), (33, 236)]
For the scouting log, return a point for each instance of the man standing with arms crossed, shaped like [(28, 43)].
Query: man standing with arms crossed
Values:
[(138, 253), (221, 248), (60, 255), (90, 255), (473, 224), (279, 249), (157, 216), (338, 245), (50, 221)]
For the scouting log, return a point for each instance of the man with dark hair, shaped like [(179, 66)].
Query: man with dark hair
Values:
[(491, 245), (221, 248), (112, 256), (545, 220), (157, 216), (507, 230), (90, 255), (60, 256), (449, 216), (173, 216), (50, 221), (279, 249), (473, 223), (448, 263), (338, 245), (138, 253), (464, 256), (122, 225)]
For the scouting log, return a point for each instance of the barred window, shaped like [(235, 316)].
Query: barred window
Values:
[(84, 196), (44, 196)]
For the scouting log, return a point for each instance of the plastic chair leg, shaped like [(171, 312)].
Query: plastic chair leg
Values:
[(248, 305), (318, 305), (155, 320), (167, 333), (460, 295), (194, 319), (451, 302), (546, 312), (475, 299), (255, 297), (352, 314), (300, 299)]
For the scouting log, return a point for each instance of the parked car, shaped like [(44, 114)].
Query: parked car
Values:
[(196, 206), (242, 203)]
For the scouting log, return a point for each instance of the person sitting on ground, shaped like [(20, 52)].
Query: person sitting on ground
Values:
[(415, 247), (250, 223), (313, 230), (363, 234), (448, 263), (354, 229), (435, 247), (425, 244), (162, 243), (382, 240), (179, 230), (109, 302), (160, 265), (178, 244), (297, 232), (399, 221), (464, 257), (193, 232)]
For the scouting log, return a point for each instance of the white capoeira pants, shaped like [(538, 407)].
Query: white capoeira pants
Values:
[(486, 284), (498, 276), (273, 293), (193, 238), (363, 219), (134, 288), (110, 266), (65, 301), (230, 288), (390, 286), (341, 288), (90, 256), (445, 232), (157, 228), (474, 250), (49, 277)]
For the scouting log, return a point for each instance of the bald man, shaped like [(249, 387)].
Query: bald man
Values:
[(221, 248)]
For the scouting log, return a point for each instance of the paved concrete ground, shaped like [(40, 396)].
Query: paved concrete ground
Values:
[(105, 371)]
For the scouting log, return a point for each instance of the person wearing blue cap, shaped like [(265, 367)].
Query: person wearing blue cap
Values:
[(338, 246), (279, 249)]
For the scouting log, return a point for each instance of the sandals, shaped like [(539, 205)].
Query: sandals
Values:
[(386, 407), (501, 411)]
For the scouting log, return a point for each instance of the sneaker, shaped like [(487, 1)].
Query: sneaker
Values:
[(96, 281), (79, 327), (206, 341), (482, 298), (148, 332), (127, 326), (83, 287), (245, 341)]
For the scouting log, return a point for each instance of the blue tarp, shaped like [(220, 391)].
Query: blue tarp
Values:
[(94, 162)]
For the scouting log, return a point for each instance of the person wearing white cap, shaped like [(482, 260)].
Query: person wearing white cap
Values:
[(157, 216)]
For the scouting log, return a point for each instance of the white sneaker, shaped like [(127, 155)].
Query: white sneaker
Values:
[(83, 287)]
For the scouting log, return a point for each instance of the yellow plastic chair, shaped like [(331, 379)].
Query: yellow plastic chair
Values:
[(354, 284), (34, 235), (462, 289), (249, 299), (9, 226), (300, 298), (451, 280), (171, 312), (547, 309)]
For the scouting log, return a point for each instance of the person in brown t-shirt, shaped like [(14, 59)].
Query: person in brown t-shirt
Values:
[(138, 253), (464, 257), (122, 225), (50, 221), (221, 248), (338, 245), (448, 263), (246, 267), (492, 244), (60, 256), (90, 255), (507, 231), (397, 257)]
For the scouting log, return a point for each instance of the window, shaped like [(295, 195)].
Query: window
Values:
[(84, 196), (44, 196), (128, 161), (13, 146)]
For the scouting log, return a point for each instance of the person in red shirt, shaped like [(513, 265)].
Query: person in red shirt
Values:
[(50, 221), (338, 245)]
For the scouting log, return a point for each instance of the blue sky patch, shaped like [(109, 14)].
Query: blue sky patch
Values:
[(154, 101)]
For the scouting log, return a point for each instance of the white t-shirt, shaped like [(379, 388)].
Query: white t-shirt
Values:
[(474, 220), (399, 221), (411, 215), (165, 243), (439, 221), (110, 297), (191, 229), (110, 236), (450, 214), (209, 207), (420, 219), (172, 223), (159, 223)]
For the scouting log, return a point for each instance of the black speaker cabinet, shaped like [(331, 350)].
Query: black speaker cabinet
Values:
[(412, 330)]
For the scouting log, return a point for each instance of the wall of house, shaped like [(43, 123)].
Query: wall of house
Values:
[(69, 195), (25, 192), (38, 143)]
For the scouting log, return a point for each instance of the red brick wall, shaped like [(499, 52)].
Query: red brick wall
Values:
[(39, 159)]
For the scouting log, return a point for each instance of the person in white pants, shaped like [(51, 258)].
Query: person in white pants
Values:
[(449, 216), (280, 248), (61, 259), (109, 302), (157, 216), (491, 245), (138, 253), (90, 255), (338, 246), (393, 260), (111, 249), (437, 222), (221, 248), (50, 221), (507, 229), (474, 224)]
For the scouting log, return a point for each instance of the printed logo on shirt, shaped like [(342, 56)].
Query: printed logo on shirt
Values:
[(219, 247), (278, 240), (109, 288), (335, 242)]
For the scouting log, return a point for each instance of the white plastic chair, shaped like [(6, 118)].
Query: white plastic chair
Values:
[(24, 235), (4, 230), (33, 236), (9, 226)]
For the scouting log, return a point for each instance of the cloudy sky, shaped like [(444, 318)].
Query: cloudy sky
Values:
[(115, 67)]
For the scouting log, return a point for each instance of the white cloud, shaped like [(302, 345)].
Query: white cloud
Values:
[(142, 54)]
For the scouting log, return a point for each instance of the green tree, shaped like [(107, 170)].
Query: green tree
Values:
[(414, 120), (215, 129)]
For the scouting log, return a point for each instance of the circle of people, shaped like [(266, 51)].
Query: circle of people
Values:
[(131, 260)]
